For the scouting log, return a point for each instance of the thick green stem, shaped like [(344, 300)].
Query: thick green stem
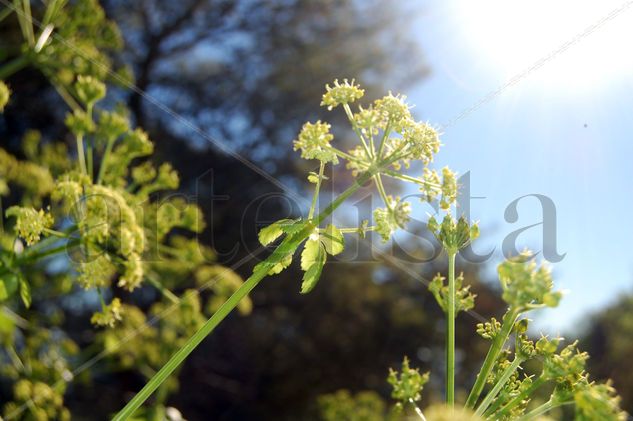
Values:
[(497, 344), (507, 373), (288, 245), (520, 397), (450, 332)]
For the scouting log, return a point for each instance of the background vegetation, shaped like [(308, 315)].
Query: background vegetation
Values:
[(246, 72)]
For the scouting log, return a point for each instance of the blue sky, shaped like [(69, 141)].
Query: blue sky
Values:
[(564, 131)]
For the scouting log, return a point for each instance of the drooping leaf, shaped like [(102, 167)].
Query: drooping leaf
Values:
[(333, 240), (313, 273), (310, 253)]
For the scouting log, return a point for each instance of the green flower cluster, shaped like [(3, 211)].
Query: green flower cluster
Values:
[(464, 299), (525, 286), (407, 384), (341, 94), (98, 210)]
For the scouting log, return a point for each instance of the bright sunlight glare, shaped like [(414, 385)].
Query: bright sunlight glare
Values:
[(509, 36)]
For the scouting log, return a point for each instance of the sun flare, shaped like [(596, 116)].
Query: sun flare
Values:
[(582, 45)]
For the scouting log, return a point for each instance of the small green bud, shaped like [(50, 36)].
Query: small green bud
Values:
[(546, 346), (89, 90), (453, 235), (489, 330)]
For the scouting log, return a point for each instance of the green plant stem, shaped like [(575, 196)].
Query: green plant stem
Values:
[(542, 409), (497, 344), (315, 197), (417, 410), (415, 180), (385, 135), (288, 245), (29, 22), (89, 147), (104, 159), (505, 376), (520, 397), (5, 13), (350, 116), (450, 332), (49, 252), (381, 189), (81, 154), (13, 66), (165, 291)]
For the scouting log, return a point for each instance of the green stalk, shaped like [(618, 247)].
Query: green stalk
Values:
[(13, 66), (5, 13), (164, 291), (497, 344), (520, 397), (507, 373), (450, 333), (288, 245), (104, 159), (89, 147), (81, 154), (315, 198), (542, 409), (350, 117)]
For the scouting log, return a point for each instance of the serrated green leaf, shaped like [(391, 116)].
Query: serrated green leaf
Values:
[(310, 254), (272, 232), (25, 292), (269, 234), (333, 240), (278, 267), (292, 225), (312, 275)]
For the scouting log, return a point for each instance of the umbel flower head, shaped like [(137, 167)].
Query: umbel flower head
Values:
[(30, 223), (526, 286), (407, 384), (341, 94), (314, 142), (453, 235)]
